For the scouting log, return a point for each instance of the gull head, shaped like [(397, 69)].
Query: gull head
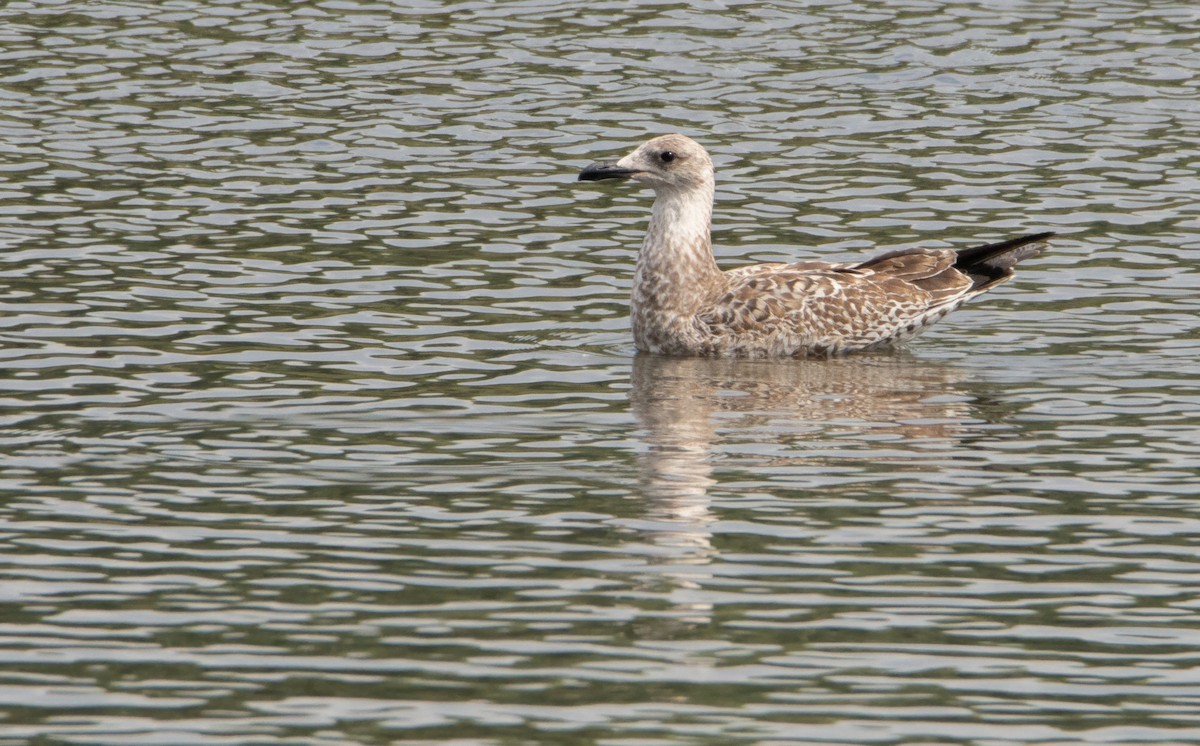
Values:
[(667, 163)]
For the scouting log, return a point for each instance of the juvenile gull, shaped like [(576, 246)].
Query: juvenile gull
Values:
[(683, 304)]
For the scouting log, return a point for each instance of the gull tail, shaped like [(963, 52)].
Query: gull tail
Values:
[(993, 264)]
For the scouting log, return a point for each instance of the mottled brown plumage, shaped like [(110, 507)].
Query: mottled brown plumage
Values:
[(683, 304)]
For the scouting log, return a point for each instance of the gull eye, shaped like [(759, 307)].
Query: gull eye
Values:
[(667, 156)]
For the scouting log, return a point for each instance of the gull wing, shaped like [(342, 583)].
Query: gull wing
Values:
[(830, 307)]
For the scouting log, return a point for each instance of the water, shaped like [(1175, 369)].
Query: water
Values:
[(321, 420)]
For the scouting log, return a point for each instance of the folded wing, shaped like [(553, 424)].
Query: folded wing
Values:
[(828, 308)]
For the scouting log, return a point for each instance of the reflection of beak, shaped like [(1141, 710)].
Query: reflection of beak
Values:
[(598, 171)]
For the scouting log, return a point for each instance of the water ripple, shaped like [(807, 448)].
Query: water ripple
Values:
[(321, 422)]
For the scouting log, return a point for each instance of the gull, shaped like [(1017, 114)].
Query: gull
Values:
[(684, 304)]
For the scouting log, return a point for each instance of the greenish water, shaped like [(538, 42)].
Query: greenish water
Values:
[(320, 421)]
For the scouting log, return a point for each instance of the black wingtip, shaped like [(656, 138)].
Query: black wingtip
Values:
[(995, 261), (1009, 251)]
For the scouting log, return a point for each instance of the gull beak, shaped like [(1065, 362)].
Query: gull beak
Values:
[(598, 171)]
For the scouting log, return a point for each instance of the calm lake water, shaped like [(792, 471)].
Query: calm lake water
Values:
[(322, 423)]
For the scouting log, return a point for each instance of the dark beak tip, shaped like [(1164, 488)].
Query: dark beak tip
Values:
[(598, 171)]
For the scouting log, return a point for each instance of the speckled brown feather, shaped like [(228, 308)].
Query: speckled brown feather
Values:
[(683, 304)]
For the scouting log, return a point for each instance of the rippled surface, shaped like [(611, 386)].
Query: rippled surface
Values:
[(321, 422)]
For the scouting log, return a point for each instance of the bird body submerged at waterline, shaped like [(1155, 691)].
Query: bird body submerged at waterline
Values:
[(683, 304)]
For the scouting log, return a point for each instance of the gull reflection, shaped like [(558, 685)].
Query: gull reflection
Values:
[(686, 407)]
